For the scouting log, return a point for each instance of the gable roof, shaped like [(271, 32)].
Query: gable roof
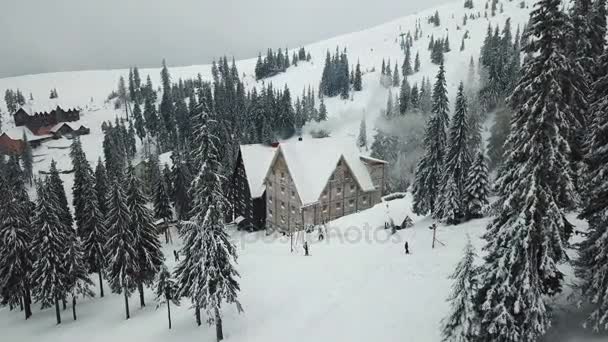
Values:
[(46, 106), (256, 160), (73, 125), (311, 162), (16, 133)]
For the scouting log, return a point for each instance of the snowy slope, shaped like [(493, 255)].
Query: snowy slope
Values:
[(357, 285)]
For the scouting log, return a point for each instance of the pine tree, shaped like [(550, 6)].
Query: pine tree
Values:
[(477, 187), (593, 250), (417, 62), (456, 164), (121, 255), (49, 249), (162, 207), (430, 168), (362, 139), (404, 97), (27, 159), (206, 243), (446, 44), (16, 257), (148, 257), (77, 276), (406, 68), (182, 179), (140, 126), (322, 111), (96, 235), (101, 187), (534, 184), (166, 289), (83, 182), (461, 324), (396, 80), (58, 190), (498, 137), (357, 84)]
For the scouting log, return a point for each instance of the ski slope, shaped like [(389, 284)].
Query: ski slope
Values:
[(358, 285)]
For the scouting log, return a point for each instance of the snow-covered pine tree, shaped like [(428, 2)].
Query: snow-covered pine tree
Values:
[(49, 249), (162, 207), (456, 164), (417, 62), (206, 243), (322, 111), (121, 256), (362, 139), (101, 187), (534, 184), (477, 187), (27, 161), (592, 263), (404, 97), (182, 179), (58, 190), (15, 247), (461, 324), (140, 125), (396, 80), (357, 84), (96, 236), (166, 289), (389, 111), (406, 68), (149, 256), (83, 183), (77, 276)]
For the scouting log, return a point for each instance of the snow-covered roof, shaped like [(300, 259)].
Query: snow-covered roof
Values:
[(73, 125), (16, 133), (311, 162), (47, 106), (256, 160)]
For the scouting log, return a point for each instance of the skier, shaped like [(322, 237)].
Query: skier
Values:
[(306, 248), (407, 248), (176, 255), (321, 236)]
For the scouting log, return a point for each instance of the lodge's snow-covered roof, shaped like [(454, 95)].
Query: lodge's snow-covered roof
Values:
[(73, 125), (47, 106), (312, 161), (256, 160), (16, 133)]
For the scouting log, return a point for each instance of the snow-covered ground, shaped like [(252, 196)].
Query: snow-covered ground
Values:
[(358, 285)]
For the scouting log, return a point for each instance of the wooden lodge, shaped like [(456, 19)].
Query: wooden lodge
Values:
[(298, 184)]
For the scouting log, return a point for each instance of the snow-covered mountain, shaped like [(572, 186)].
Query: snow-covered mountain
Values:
[(358, 285)]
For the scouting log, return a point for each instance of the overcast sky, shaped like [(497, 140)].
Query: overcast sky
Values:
[(57, 35)]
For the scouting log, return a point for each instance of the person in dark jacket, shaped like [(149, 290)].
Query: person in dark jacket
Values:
[(407, 248), (306, 248)]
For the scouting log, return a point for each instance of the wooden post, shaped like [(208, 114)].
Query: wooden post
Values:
[(434, 234)]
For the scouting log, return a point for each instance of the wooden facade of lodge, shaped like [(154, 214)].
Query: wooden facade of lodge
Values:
[(307, 183), (40, 127), (36, 121)]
